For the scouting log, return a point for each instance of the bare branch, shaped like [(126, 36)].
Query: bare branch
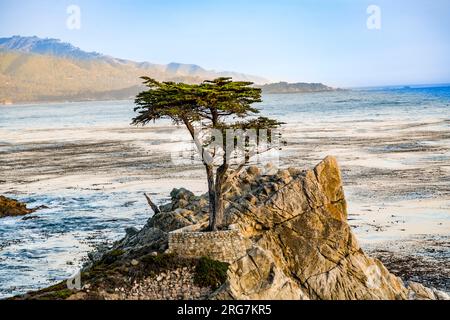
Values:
[(154, 207)]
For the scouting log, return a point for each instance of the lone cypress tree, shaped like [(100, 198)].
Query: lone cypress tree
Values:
[(221, 104)]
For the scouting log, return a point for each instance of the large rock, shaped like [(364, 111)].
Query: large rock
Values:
[(12, 208), (300, 244), (420, 292), (257, 277), (303, 247)]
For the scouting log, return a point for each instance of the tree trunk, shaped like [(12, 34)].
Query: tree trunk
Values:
[(216, 221), (211, 193), (208, 162)]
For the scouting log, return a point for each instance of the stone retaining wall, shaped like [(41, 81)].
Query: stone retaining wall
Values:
[(226, 246)]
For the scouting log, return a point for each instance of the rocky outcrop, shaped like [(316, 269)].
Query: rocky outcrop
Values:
[(296, 239), (419, 292), (302, 243), (301, 246), (12, 208)]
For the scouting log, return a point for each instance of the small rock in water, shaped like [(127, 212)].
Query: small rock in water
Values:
[(30, 218)]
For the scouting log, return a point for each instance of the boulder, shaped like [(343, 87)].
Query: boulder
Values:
[(303, 247), (148, 239), (181, 194), (12, 208), (420, 292)]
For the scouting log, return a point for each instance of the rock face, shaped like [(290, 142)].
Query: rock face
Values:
[(302, 244), (298, 242), (12, 208), (419, 292)]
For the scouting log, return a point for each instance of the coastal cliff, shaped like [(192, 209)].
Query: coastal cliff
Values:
[(287, 237)]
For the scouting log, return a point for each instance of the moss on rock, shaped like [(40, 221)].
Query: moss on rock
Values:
[(210, 273), (57, 295)]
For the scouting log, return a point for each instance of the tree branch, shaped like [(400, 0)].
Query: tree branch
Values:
[(154, 207)]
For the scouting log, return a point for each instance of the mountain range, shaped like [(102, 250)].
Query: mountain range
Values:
[(33, 69)]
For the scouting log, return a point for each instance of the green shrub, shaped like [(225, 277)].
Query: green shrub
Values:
[(163, 262), (210, 273)]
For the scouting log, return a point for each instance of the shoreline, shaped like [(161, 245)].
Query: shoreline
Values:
[(121, 270), (94, 175)]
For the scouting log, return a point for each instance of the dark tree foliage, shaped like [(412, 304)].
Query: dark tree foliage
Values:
[(219, 104)]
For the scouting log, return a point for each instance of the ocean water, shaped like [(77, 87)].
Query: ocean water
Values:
[(83, 212), (353, 104)]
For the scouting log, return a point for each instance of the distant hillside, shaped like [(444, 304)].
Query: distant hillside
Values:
[(301, 87), (34, 69), (46, 46)]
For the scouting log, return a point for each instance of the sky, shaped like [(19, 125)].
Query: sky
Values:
[(283, 40)]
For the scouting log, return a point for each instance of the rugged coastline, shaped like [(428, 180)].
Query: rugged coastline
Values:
[(93, 176), (293, 242)]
